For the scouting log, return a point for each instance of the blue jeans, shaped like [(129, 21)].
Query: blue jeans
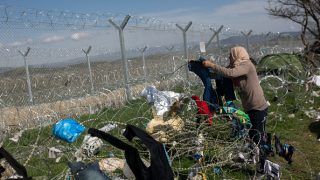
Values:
[(258, 122), (90, 171), (209, 94)]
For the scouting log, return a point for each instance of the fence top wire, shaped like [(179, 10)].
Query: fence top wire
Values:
[(62, 19)]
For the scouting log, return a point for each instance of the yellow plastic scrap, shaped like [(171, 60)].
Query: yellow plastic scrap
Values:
[(204, 177)]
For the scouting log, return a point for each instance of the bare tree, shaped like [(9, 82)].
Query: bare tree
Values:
[(304, 12)]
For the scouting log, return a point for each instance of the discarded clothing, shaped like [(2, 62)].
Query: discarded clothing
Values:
[(231, 104), (203, 109), (55, 153), (284, 150), (268, 145), (159, 169), (240, 121), (20, 169), (252, 154), (162, 100), (90, 171), (239, 128), (67, 130), (162, 131), (244, 118)]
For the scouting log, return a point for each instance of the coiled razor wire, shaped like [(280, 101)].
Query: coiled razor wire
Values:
[(184, 146), (70, 98)]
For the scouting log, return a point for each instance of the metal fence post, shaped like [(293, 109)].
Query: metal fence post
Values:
[(218, 41), (90, 75), (173, 68), (266, 38), (278, 38), (185, 45), (247, 38), (143, 62), (27, 74), (123, 53)]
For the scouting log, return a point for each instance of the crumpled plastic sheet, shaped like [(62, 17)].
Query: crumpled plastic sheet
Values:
[(67, 130), (162, 99)]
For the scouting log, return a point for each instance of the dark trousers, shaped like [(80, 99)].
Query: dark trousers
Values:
[(258, 122)]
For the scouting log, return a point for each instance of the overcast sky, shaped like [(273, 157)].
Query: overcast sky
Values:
[(244, 14), (54, 44)]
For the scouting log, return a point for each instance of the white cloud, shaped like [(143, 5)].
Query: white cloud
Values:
[(17, 43), (242, 15), (78, 36), (54, 39), (167, 14)]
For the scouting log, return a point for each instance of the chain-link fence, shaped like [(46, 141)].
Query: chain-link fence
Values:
[(57, 65), (51, 55)]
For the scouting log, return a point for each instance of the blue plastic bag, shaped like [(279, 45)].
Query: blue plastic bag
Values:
[(67, 130)]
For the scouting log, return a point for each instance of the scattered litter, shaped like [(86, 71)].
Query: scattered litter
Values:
[(162, 100), (108, 127), (17, 136), (272, 169), (217, 170), (194, 171), (111, 164), (67, 130), (291, 116), (313, 93), (55, 153), (162, 131), (271, 113), (91, 145), (174, 143), (314, 79)]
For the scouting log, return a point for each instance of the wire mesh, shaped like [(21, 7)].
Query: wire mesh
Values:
[(61, 88)]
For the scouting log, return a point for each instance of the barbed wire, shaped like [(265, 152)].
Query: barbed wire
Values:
[(65, 93), (32, 18)]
